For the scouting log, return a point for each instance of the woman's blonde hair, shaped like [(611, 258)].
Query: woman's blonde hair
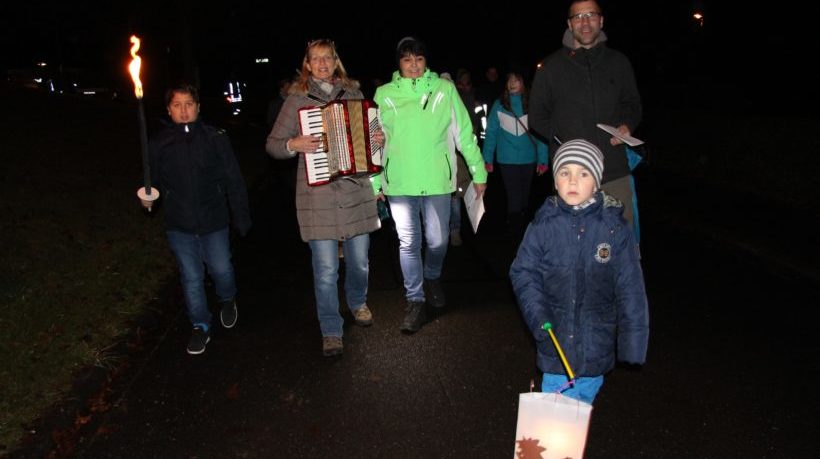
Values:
[(340, 74)]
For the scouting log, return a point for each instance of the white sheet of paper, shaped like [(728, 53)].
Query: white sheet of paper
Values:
[(628, 139), (474, 207)]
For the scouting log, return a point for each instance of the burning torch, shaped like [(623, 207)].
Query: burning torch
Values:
[(146, 192)]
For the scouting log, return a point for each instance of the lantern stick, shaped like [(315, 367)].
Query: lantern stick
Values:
[(548, 327)]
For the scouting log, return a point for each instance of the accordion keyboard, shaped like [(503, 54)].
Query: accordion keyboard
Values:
[(317, 164), (347, 148)]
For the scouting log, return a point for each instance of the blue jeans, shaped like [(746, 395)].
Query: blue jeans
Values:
[(409, 213), (325, 256), (194, 252), (584, 389)]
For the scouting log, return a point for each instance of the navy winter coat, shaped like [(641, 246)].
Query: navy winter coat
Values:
[(199, 180), (579, 270)]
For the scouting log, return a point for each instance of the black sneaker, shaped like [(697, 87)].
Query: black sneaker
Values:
[(415, 318), (199, 338), (434, 293), (228, 314)]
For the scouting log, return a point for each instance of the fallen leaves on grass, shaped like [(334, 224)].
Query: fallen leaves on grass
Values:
[(233, 391)]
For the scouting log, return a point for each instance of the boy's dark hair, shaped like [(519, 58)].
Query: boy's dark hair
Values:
[(410, 45), (182, 88)]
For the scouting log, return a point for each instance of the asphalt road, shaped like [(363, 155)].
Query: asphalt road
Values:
[(732, 370)]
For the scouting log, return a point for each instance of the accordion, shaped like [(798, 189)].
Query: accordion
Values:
[(347, 148)]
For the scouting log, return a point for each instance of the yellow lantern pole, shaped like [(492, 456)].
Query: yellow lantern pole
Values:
[(548, 328)]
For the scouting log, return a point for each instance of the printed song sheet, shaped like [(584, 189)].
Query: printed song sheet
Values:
[(627, 139), (474, 207)]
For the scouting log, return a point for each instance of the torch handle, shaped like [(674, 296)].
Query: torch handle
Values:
[(146, 166)]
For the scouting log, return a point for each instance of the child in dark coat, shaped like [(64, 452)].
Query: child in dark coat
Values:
[(578, 269), (195, 169)]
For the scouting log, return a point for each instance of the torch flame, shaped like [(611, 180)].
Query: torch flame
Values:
[(134, 66)]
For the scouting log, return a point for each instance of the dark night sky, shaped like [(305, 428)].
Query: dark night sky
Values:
[(736, 47)]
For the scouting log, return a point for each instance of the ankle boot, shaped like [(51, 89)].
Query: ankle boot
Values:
[(415, 318)]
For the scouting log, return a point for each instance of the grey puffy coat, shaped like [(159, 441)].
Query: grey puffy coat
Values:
[(339, 210)]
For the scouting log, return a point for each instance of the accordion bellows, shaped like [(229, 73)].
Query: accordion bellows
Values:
[(347, 148)]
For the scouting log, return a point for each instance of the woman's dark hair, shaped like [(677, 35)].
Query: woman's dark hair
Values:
[(525, 94), (410, 45), (182, 88)]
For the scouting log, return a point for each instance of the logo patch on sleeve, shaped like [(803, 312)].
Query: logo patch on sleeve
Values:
[(603, 253)]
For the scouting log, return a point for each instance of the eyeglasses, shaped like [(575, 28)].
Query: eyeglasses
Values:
[(581, 16)]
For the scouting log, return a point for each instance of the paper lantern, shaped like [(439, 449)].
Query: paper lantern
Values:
[(551, 426)]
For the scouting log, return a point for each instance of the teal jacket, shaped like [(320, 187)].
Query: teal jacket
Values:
[(508, 141), (421, 119)]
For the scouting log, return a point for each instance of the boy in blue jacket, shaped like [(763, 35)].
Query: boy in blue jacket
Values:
[(578, 269)]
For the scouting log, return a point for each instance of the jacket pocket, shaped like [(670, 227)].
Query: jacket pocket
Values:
[(600, 335)]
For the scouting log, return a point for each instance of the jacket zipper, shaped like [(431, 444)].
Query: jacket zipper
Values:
[(592, 87)]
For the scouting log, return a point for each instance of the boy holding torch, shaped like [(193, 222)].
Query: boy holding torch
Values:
[(194, 167)]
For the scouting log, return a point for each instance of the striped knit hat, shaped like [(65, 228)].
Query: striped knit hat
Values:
[(582, 153)]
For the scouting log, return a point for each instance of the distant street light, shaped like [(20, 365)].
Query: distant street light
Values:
[(698, 17)]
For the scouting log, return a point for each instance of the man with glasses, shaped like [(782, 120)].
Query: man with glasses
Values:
[(583, 84)]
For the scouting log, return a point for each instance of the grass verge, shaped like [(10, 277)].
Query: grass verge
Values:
[(79, 256)]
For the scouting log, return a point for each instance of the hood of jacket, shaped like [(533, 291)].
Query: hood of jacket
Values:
[(313, 87), (569, 41), (425, 83)]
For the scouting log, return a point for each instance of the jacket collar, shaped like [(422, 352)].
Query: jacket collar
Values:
[(315, 89), (422, 84), (182, 127), (594, 202), (581, 54)]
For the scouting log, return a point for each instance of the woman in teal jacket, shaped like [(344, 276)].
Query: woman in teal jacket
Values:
[(422, 116), (517, 152)]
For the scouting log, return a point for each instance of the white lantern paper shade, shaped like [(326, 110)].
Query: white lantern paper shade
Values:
[(551, 426)]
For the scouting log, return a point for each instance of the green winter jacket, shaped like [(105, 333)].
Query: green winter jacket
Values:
[(422, 119)]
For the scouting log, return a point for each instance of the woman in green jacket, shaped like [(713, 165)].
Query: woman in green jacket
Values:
[(419, 114)]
